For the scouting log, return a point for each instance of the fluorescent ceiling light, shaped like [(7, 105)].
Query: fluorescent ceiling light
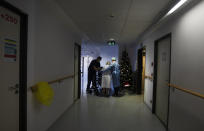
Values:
[(179, 4)]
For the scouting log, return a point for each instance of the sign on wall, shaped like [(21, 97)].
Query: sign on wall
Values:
[(10, 50), (10, 34)]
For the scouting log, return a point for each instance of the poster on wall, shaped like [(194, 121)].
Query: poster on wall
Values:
[(10, 50)]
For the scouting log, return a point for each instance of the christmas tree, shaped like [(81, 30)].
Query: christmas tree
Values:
[(125, 71)]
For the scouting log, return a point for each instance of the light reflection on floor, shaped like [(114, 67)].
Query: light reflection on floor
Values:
[(92, 113)]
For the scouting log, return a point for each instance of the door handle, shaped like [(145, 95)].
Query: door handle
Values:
[(14, 89)]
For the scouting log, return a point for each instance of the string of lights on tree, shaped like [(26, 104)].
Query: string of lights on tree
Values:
[(125, 70)]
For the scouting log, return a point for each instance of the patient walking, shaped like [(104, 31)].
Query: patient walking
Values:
[(106, 80)]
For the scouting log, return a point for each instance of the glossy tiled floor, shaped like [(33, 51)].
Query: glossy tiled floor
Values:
[(92, 113)]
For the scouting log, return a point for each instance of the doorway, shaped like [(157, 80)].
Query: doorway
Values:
[(162, 78), (77, 72), (141, 63), (86, 60), (143, 68), (13, 68)]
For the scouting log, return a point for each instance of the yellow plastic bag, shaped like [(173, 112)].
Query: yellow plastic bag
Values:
[(44, 93)]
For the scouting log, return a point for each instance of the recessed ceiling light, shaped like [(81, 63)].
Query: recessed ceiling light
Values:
[(179, 4)]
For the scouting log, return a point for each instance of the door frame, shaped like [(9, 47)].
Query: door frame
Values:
[(140, 69), (76, 45), (23, 64), (169, 35), (143, 80)]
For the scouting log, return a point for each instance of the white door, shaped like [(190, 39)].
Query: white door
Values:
[(76, 72), (162, 89), (87, 61), (9, 70)]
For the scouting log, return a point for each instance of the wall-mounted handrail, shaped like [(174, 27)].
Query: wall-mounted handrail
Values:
[(149, 77), (34, 88), (60, 79), (187, 91)]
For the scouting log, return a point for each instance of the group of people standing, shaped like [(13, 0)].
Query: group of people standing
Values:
[(109, 74)]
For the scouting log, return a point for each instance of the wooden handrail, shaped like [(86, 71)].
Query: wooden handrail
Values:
[(149, 77), (60, 79), (187, 91), (34, 88)]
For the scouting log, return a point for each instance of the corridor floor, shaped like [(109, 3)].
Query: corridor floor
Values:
[(92, 113)]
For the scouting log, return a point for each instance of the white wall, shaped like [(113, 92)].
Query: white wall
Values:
[(149, 70), (133, 53), (52, 35), (187, 67), (105, 51)]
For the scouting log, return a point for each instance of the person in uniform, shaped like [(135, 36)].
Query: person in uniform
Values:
[(115, 69), (92, 69), (115, 72)]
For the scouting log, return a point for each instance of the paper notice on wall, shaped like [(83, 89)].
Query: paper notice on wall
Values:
[(10, 50)]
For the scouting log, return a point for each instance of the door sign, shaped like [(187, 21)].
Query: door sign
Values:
[(9, 18)]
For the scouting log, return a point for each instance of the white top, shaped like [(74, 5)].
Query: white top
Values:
[(106, 78)]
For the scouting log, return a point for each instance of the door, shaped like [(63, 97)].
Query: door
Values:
[(77, 72), (163, 78), (139, 72), (12, 69)]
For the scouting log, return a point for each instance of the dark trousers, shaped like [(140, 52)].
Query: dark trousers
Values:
[(91, 78), (116, 90)]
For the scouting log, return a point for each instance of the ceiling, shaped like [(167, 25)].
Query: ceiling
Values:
[(123, 20)]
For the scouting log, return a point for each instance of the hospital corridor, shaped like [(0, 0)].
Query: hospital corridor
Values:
[(101, 65)]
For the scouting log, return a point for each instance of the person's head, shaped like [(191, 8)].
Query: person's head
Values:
[(108, 63), (99, 58), (113, 59)]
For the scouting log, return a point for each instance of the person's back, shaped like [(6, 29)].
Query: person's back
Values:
[(106, 79), (92, 69), (92, 64)]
